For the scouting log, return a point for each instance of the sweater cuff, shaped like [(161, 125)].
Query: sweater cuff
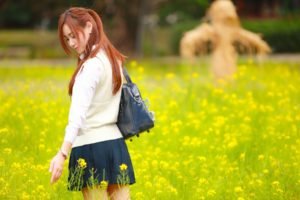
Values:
[(70, 135)]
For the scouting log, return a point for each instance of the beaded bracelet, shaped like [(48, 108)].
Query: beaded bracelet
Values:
[(64, 154)]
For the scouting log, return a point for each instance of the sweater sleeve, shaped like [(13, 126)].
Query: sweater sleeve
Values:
[(82, 95)]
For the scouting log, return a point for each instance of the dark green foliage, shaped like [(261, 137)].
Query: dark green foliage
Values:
[(185, 10), (281, 34)]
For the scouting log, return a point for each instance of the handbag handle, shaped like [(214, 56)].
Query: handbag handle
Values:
[(126, 75)]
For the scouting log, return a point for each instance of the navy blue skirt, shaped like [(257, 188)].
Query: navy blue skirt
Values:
[(99, 164)]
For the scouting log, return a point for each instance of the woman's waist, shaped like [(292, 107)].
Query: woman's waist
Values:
[(97, 134), (98, 128)]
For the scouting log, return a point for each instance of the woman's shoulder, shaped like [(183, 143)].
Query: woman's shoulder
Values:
[(100, 60), (96, 62), (102, 56)]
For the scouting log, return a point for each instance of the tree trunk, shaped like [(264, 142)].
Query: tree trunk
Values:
[(140, 29)]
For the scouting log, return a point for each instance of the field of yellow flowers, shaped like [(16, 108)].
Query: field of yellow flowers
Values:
[(240, 141)]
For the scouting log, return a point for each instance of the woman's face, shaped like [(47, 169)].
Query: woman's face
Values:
[(78, 44)]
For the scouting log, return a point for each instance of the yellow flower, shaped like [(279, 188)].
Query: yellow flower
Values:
[(261, 157), (211, 193), (170, 75), (40, 188), (242, 156), (266, 171), (238, 189), (81, 162), (41, 146), (259, 182), (275, 183), (232, 143), (16, 166), (7, 151), (148, 184), (103, 184), (139, 195), (123, 167), (25, 196), (141, 69), (3, 130), (133, 63)]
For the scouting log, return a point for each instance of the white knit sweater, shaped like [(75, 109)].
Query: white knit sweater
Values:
[(94, 109)]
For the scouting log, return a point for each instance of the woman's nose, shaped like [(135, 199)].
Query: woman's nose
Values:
[(72, 43)]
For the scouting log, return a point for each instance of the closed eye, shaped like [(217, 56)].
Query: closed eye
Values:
[(69, 35)]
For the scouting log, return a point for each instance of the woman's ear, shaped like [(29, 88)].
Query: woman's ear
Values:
[(89, 27)]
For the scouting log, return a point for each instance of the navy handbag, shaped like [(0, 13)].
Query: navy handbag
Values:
[(134, 116)]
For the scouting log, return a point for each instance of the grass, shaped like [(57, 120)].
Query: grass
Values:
[(240, 141), (30, 44)]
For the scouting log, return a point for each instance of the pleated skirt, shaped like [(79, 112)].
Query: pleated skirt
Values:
[(100, 164)]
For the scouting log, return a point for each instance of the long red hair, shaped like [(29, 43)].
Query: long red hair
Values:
[(76, 18)]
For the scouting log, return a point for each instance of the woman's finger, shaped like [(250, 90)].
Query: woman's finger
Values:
[(52, 178), (53, 170), (56, 174)]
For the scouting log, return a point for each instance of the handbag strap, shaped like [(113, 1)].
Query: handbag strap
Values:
[(126, 75)]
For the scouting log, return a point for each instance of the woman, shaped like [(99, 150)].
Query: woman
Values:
[(98, 150)]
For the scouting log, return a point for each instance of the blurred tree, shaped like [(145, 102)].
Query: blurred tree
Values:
[(18, 14), (124, 19), (291, 6), (182, 10), (127, 18), (14, 14)]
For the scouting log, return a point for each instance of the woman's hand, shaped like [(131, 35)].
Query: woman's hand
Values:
[(56, 167)]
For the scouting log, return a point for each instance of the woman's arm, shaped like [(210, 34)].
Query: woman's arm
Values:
[(83, 92)]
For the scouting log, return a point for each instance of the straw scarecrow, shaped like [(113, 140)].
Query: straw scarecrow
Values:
[(224, 36)]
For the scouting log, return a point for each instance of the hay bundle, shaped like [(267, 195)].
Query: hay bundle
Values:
[(224, 33)]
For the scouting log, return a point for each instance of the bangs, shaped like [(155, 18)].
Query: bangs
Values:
[(73, 26)]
